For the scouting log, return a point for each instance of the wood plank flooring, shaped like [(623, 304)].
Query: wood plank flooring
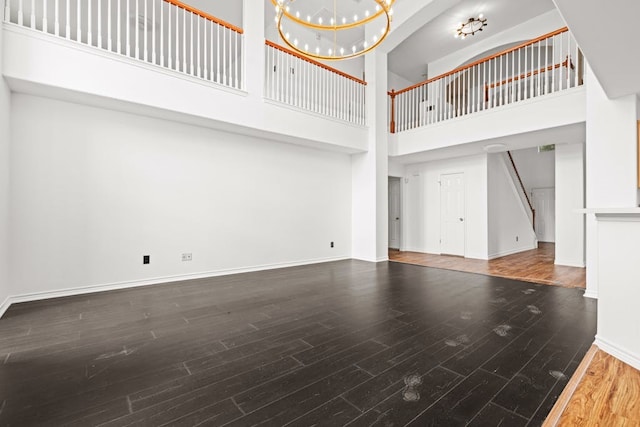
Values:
[(341, 343), (535, 266), (607, 394)]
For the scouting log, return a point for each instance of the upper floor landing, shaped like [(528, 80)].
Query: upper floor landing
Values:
[(167, 59)]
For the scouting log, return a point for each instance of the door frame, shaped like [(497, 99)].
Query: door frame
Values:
[(464, 243), (400, 181)]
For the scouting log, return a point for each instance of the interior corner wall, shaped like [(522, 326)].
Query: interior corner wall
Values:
[(421, 206), (510, 230), (537, 169), (93, 190), (5, 137), (570, 232)]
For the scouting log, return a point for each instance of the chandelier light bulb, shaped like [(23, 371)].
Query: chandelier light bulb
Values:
[(331, 29)]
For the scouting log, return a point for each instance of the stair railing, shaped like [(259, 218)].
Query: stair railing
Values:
[(524, 191)]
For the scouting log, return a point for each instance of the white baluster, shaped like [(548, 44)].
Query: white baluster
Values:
[(177, 31), (118, 27), (161, 41), (33, 13), (145, 39), (100, 24), (45, 23), (7, 10), (136, 23), (89, 31), (56, 14), (67, 27), (211, 47), (79, 21), (169, 39), (20, 13), (236, 59), (153, 31), (191, 71), (184, 41), (198, 48), (109, 41), (128, 27)]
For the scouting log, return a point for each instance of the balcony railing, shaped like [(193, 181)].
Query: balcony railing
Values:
[(167, 33), (547, 64), (312, 86)]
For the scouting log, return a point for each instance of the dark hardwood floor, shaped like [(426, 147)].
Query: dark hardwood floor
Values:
[(331, 344)]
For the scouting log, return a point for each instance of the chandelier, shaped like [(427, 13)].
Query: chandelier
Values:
[(472, 26), (335, 31)]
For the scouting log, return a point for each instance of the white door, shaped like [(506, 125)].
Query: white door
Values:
[(394, 213), (452, 214), (544, 202)]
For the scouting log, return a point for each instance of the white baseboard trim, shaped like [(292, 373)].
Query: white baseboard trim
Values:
[(512, 251), (569, 263), (590, 294), (36, 296), (6, 303), (382, 259), (617, 352)]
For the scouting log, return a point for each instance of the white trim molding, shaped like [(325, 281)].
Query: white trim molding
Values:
[(617, 352), (152, 281)]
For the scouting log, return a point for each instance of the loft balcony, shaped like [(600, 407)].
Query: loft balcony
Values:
[(170, 59), (533, 86)]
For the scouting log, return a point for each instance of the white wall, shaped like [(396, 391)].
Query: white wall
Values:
[(510, 230), (5, 98), (421, 211), (95, 190), (537, 170), (611, 162), (395, 168), (397, 82), (570, 231), (528, 30), (618, 248), (48, 66)]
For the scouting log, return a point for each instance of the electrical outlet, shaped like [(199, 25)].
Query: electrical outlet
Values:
[(187, 257), (146, 259), (331, 244)]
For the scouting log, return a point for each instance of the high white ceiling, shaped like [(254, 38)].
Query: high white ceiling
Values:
[(435, 40), (607, 33)]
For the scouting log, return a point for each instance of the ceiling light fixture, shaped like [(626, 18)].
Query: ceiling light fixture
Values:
[(471, 27), (341, 34)]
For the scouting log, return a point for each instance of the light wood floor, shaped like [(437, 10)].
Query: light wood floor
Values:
[(605, 392), (530, 266)]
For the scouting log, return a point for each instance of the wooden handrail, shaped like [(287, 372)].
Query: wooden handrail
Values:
[(533, 211), (486, 59), (311, 61), (205, 15)]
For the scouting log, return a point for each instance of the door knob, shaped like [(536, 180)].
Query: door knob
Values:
[(397, 219), (461, 219)]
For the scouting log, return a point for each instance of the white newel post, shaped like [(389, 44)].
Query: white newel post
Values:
[(369, 170), (253, 49)]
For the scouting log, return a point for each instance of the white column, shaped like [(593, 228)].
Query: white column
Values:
[(369, 170), (611, 153), (253, 60), (570, 232), (4, 187)]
